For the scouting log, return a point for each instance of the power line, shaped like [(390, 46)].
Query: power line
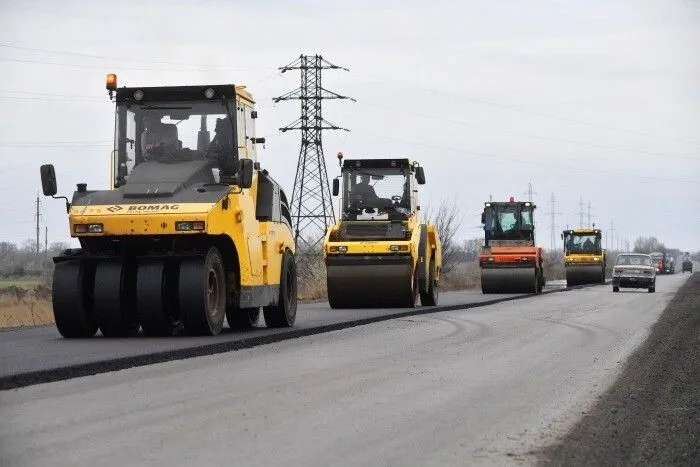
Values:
[(532, 135), (124, 59), (129, 68), (527, 111), (19, 144), (511, 158)]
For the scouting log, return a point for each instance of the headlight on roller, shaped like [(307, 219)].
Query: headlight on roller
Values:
[(88, 228), (185, 226)]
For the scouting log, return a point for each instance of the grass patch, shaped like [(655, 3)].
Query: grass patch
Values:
[(29, 310), (25, 282)]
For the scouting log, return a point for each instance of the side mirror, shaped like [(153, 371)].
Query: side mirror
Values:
[(336, 187), (562, 236), (48, 180), (245, 173), (420, 175), (483, 218)]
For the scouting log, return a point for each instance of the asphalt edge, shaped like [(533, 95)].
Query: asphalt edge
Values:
[(20, 380), (575, 446)]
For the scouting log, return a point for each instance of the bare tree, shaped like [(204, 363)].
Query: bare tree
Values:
[(648, 245), (447, 218)]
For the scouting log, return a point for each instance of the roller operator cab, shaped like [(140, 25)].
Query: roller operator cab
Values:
[(190, 231), (380, 254), (510, 262), (584, 257)]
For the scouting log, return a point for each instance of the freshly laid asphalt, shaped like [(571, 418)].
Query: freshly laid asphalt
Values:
[(38, 355), (482, 385)]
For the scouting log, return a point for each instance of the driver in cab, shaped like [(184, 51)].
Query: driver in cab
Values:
[(363, 191), (158, 139)]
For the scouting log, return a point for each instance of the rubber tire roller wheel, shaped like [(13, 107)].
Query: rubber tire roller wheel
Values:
[(151, 302), (284, 314), (616, 288), (430, 297), (72, 299), (202, 292), (112, 293), (242, 318)]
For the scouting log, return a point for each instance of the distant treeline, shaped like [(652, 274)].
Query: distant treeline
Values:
[(22, 260)]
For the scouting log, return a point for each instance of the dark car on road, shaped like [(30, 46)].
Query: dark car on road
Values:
[(634, 270), (687, 264)]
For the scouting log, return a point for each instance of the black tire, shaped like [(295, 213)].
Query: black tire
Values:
[(202, 292), (415, 291), (336, 304), (156, 298), (72, 300), (242, 318), (430, 297), (616, 288), (151, 302), (114, 295), (284, 313)]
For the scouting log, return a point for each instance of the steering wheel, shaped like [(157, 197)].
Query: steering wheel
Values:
[(396, 199)]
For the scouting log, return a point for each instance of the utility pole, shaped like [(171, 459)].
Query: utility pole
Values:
[(529, 192), (553, 213), (38, 216), (46, 241), (311, 205), (611, 235)]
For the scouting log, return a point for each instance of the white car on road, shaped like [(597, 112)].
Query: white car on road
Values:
[(634, 270)]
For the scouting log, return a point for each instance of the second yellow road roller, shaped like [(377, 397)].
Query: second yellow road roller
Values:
[(584, 257), (380, 253)]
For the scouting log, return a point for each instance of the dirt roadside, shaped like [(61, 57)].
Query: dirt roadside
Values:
[(651, 415)]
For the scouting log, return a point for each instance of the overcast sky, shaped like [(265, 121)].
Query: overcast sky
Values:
[(596, 100)]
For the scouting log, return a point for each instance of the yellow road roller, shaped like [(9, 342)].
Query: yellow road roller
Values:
[(379, 253), (189, 231), (584, 257)]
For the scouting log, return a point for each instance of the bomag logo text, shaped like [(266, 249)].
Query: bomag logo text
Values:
[(155, 207)]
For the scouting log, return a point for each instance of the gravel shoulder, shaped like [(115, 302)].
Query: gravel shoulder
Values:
[(651, 414)]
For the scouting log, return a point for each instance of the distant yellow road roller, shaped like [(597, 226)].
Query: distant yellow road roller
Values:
[(190, 231), (380, 254), (584, 257)]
